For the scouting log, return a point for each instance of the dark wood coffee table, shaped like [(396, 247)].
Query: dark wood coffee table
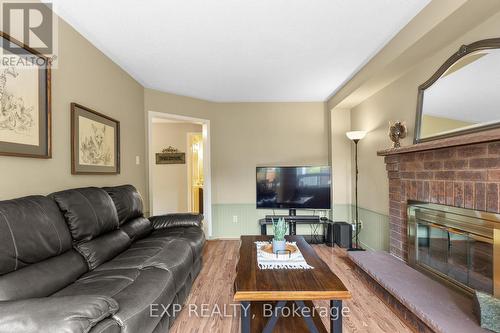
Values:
[(286, 288)]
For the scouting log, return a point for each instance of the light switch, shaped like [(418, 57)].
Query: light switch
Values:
[(137, 160)]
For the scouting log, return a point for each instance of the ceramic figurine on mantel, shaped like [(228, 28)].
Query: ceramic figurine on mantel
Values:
[(279, 232), (397, 131)]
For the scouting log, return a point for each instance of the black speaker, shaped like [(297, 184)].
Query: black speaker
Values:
[(330, 235), (342, 234)]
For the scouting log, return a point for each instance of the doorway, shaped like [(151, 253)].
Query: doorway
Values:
[(179, 166), (195, 175)]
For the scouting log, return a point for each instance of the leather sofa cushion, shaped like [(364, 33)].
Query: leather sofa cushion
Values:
[(128, 201), (174, 256), (134, 290), (103, 248), (106, 326), (137, 228), (176, 220), (55, 314), (89, 212), (194, 236), (32, 229), (43, 278)]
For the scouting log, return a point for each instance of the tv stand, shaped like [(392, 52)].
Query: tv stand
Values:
[(293, 220)]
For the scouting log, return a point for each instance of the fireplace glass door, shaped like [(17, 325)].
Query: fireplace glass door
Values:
[(455, 255)]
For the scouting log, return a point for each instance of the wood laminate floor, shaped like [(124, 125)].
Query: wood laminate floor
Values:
[(210, 306)]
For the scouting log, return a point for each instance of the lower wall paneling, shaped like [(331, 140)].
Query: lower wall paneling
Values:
[(374, 235)]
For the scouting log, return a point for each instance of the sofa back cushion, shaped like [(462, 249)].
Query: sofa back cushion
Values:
[(103, 248), (127, 200), (137, 228), (89, 212), (129, 205), (32, 229), (36, 258)]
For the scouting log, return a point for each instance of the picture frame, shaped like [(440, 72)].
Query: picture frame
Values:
[(95, 142), (25, 102)]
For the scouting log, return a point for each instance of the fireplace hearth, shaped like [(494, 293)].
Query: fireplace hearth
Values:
[(453, 244)]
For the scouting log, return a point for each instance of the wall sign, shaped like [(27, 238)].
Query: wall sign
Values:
[(170, 155)]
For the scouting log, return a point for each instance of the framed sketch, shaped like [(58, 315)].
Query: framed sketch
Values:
[(25, 116), (95, 142)]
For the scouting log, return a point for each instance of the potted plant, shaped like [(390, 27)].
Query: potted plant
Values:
[(279, 231)]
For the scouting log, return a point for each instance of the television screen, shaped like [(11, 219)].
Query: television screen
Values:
[(293, 187)]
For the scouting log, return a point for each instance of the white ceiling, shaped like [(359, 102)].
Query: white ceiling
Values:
[(235, 50)]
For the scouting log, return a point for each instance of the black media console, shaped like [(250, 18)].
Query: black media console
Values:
[(317, 225)]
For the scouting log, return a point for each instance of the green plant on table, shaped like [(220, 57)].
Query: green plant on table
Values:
[(279, 229)]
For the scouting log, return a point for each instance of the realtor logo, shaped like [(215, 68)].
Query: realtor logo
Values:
[(31, 23)]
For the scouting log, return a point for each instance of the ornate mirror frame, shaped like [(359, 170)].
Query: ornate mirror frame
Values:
[(485, 44)]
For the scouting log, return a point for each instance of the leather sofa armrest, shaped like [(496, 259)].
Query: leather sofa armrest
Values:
[(55, 314), (176, 220)]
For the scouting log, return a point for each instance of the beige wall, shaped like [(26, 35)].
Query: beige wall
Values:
[(84, 75), (341, 149), (170, 181), (244, 135), (398, 101)]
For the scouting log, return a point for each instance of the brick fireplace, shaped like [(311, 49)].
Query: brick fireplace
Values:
[(461, 172)]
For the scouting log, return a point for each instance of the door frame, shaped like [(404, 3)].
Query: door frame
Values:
[(207, 185), (189, 156)]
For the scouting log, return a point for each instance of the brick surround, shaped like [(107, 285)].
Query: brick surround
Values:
[(465, 176)]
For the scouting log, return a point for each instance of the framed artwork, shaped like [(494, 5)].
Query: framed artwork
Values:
[(95, 142), (25, 114)]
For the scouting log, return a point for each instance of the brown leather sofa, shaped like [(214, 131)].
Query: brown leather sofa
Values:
[(87, 260)]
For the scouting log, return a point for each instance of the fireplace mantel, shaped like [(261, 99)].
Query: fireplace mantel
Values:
[(467, 139)]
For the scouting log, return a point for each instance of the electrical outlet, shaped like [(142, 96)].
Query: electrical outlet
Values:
[(360, 225), (235, 218)]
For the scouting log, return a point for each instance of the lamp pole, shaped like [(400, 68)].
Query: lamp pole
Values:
[(356, 193), (355, 136)]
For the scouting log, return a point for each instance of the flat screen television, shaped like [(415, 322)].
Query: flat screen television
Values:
[(301, 187)]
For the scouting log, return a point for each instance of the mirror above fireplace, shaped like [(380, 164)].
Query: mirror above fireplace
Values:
[(463, 95)]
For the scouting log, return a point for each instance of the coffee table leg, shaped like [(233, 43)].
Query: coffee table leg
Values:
[(335, 321), (308, 319), (245, 317)]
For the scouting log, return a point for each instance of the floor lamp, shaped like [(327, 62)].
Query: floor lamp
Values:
[(355, 136)]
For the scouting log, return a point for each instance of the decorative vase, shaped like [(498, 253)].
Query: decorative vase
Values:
[(279, 245)]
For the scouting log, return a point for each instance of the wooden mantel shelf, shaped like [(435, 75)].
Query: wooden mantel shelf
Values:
[(466, 139)]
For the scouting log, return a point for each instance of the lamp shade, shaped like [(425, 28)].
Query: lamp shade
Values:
[(356, 135)]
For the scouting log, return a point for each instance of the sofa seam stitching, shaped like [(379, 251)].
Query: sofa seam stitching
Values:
[(91, 207), (165, 285), (51, 223), (13, 239)]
